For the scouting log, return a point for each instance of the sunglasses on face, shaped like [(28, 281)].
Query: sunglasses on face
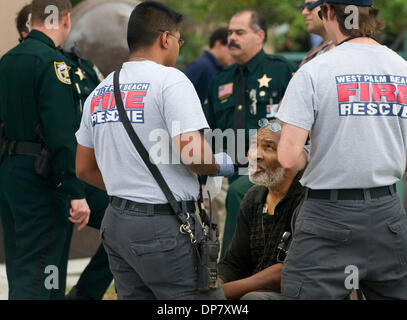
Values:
[(311, 5)]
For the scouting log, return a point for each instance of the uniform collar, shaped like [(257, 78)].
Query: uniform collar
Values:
[(211, 57), (38, 35), (252, 64)]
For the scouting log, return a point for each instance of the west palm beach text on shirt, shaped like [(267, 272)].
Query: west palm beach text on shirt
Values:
[(103, 104), (372, 95)]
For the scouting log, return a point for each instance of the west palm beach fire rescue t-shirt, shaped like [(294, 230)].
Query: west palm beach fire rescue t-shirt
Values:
[(353, 100), (161, 103)]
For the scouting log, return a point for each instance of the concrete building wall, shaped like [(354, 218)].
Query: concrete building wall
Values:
[(8, 31)]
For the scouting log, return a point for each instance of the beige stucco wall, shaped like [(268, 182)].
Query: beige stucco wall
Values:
[(8, 31)]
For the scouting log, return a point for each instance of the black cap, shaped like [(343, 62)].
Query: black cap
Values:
[(359, 3)]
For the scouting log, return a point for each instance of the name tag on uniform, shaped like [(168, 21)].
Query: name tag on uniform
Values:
[(225, 90)]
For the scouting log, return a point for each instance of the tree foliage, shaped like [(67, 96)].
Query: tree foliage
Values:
[(287, 28), (208, 14)]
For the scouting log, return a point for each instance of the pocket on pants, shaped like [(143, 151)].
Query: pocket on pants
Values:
[(399, 234), (317, 242), (165, 260), (155, 246)]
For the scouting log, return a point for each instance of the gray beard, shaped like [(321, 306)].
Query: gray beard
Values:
[(272, 180)]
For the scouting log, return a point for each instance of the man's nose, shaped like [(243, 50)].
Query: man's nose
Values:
[(305, 12), (232, 37), (259, 154)]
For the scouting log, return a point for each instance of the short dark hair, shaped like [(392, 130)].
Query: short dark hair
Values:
[(257, 22), (22, 19), (38, 9), (146, 22), (221, 35), (369, 21)]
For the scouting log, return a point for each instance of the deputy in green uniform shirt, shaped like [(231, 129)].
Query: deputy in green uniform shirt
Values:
[(85, 77), (36, 190), (244, 93)]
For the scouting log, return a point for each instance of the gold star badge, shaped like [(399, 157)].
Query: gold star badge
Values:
[(264, 82), (80, 74)]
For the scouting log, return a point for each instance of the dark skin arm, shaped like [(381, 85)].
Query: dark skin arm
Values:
[(268, 279)]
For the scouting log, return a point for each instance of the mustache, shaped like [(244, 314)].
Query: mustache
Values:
[(234, 44)]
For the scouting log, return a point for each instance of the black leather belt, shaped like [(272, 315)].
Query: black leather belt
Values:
[(23, 148), (351, 194), (164, 208)]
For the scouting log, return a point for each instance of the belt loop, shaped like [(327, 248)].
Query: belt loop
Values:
[(306, 193), (184, 206), (334, 195), (367, 195), (123, 204), (150, 209), (392, 189)]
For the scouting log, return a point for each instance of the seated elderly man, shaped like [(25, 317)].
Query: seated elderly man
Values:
[(251, 268)]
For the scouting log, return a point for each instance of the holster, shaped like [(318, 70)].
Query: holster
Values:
[(42, 165), (208, 264)]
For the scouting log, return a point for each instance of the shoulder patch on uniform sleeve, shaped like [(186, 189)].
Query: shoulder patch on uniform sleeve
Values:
[(62, 72), (98, 73)]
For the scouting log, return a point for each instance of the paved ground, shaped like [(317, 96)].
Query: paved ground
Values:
[(75, 267)]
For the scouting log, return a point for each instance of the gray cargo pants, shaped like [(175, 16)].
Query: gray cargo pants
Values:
[(336, 243), (149, 258)]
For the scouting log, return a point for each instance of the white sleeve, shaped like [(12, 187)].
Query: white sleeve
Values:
[(298, 105), (84, 134), (182, 108)]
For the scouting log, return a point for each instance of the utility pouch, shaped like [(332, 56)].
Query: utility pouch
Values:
[(208, 265)]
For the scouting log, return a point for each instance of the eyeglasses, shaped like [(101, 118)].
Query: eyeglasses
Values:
[(273, 125), (311, 5), (181, 41)]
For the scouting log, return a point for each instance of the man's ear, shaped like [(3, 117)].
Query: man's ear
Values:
[(164, 40), (66, 20), (262, 35)]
